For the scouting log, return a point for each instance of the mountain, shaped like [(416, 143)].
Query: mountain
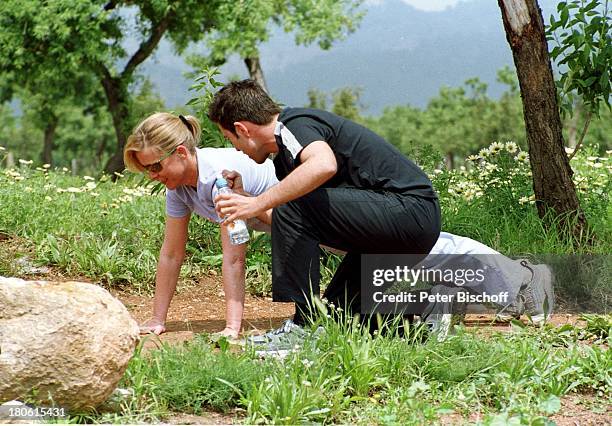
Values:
[(398, 55)]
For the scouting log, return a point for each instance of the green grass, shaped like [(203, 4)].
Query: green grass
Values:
[(112, 234), (348, 376)]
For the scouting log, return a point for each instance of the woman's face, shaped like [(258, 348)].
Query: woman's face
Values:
[(165, 167)]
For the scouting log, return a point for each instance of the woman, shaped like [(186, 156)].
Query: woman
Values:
[(164, 146)]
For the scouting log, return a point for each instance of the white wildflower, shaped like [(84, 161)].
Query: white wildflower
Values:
[(47, 198), (88, 178), (484, 153), (569, 151), (73, 190), (46, 166), (522, 156), (25, 162), (496, 147), (473, 158), (491, 167), (511, 147)]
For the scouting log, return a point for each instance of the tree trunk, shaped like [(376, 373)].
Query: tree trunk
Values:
[(47, 154), (449, 160), (255, 71), (552, 174), (117, 106)]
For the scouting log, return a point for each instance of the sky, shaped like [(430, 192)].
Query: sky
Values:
[(424, 5)]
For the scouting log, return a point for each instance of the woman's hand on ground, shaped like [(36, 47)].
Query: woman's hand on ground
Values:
[(154, 326)]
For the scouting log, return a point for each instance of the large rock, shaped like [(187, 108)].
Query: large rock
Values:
[(68, 342)]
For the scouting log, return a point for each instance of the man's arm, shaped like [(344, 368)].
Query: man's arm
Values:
[(233, 283), (318, 165), (171, 258)]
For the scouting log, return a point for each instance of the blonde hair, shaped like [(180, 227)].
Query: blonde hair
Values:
[(163, 132)]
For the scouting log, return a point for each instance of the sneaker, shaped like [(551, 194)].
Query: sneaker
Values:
[(287, 327), (512, 311), (538, 295), (278, 343), (441, 325), (441, 318)]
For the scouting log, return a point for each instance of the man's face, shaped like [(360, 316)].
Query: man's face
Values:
[(247, 145)]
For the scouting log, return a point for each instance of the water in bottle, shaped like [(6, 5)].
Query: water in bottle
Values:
[(238, 231)]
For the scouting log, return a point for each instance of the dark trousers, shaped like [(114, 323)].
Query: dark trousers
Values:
[(357, 221)]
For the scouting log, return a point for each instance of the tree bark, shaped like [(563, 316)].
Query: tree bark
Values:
[(117, 106), (552, 174), (255, 71), (47, 153)]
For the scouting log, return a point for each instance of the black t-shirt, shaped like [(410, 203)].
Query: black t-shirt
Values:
[(365, 159)]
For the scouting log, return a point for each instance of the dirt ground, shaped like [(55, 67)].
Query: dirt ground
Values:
[(201, 308)]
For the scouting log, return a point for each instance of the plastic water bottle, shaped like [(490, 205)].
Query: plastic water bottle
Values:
[(238, 231)]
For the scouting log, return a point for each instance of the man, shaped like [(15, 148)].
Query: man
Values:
[(341, 185)]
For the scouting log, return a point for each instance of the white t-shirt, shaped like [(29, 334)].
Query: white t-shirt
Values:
[(256, 178)]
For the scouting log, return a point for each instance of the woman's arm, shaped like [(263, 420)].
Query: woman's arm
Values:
[(171, 258), (233, 283)]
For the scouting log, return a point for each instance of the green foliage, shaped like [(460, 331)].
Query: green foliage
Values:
[(345, 375), (583, 50), (456, 122), (60, 47), (205, 87), (241, 26), (346, 103), (491, 200)]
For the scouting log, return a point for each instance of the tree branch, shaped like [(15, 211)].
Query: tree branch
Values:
[(582, 135), (147, 46)]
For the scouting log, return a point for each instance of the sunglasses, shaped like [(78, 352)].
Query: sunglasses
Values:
[(157, 167)]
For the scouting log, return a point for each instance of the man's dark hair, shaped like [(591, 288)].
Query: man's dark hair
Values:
[(242, 101)]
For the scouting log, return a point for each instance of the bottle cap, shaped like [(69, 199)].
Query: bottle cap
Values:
[(220, 183)]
